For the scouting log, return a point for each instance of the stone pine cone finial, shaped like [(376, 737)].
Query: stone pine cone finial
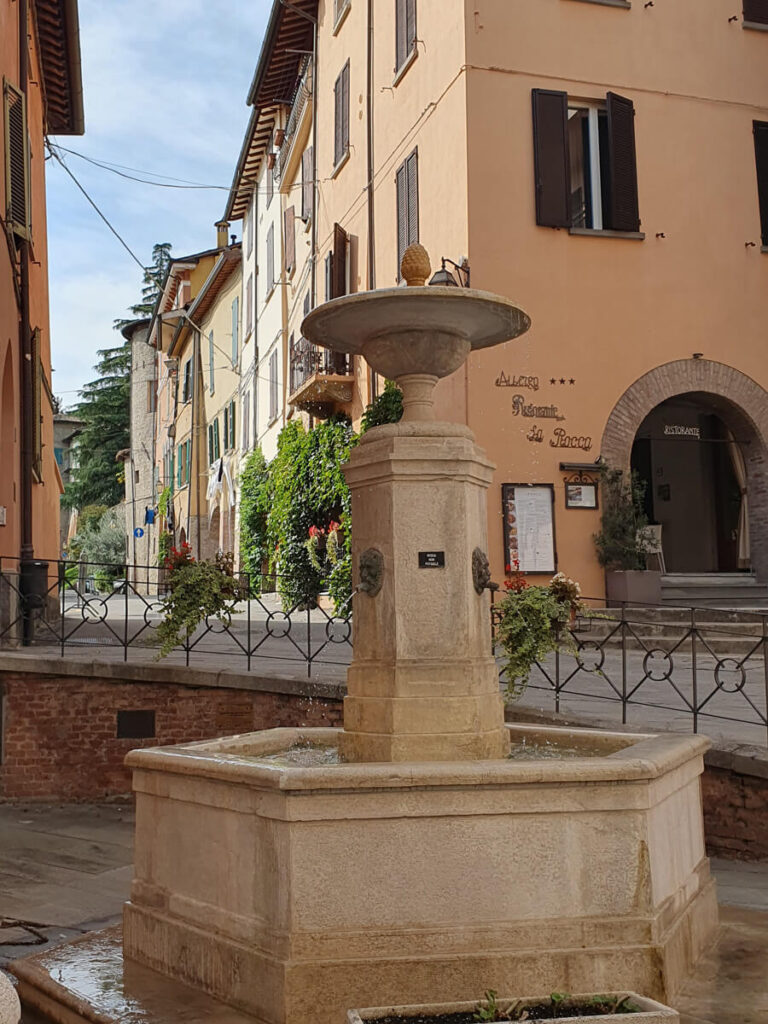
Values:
[(415, 266)]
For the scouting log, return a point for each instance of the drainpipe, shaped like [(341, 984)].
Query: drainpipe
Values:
[(313, 255), (369, 116), (195, 460)]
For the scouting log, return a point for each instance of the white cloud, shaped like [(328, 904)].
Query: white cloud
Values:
[(165, 85)]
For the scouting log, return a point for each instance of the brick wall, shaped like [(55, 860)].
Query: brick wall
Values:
[(735, 814), (59, 733)]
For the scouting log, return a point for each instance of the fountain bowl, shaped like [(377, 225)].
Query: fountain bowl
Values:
[(415, 330)]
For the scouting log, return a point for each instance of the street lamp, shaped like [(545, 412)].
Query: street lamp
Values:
[(446, 278)]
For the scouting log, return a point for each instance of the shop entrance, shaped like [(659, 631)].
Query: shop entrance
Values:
[(696, 485)]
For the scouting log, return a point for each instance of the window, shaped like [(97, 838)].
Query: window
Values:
[(235, 328), (229, 426), (211, 356), (17, 205), (341, 117), (150, 396), (273, 387), (405, 31), (135, 476), (270, 258), (184, 463), (756, 12), (214, 445), (407, 181), (246, 420), (760, 129), (585, 163), (289, 223), (186, 387), (226, 427), (336, 265), (249, 305), (249, 233), (339, 8), (307, 182)]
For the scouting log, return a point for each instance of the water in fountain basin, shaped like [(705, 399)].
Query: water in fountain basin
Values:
[(306, 755)]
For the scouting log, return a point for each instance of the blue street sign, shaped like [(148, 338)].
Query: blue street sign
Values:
[(138, 532)]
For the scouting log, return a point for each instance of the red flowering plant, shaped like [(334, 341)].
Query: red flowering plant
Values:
[(178, 557), (325, 545)]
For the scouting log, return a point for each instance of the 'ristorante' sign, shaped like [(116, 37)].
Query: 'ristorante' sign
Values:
[(678, 430)]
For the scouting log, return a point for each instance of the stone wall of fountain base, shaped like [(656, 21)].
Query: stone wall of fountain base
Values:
[(298, 892)]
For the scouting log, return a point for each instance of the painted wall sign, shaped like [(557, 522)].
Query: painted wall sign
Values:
[(561, 439), (529, 529), (678, 430), (517, 381), (535, 434), (540, 412), (431, 559)]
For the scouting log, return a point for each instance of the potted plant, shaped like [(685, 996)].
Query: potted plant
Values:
[(531, 622), (624, 542), (608, 1008)]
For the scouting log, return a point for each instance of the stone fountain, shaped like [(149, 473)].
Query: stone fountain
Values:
[(425, 866)]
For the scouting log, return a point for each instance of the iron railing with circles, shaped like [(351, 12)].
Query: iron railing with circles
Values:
[(698, 669), (72, 606)]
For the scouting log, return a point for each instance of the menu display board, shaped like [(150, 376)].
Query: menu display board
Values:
[(529, 529)]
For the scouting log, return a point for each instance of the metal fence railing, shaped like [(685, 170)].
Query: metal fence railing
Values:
[(688, 667)]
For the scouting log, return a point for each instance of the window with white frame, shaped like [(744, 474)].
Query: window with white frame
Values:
[(186, 388)]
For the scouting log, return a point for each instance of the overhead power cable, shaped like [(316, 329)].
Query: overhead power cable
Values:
[(113, 168)]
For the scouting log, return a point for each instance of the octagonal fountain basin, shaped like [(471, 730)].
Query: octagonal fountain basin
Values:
[(298, 889)]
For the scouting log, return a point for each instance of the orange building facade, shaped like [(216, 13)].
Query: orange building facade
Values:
[(605, 164), (42, 94)]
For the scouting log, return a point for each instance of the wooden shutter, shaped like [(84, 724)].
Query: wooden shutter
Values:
[(760, 130), (756, 11), (401, 45), (216, 439), (226, 427), (551, 160), (210, 444), (410, 25), (16, 161), (412, 177), (289, 218), (235, 328), (402, 214), (179, 467), (622, 161), (345, 108), (338, 148), (306, 183), (329, 276), (270, 258), (232, 424), (339, 262)]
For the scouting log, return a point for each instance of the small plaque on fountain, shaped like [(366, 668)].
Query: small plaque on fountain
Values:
[(431, 559)]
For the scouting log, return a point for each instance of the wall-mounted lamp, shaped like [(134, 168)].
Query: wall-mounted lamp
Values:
[(444, 277)]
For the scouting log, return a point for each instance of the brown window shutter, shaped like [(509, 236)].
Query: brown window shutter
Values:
[(551, 159), (410, 25), (328, 276), (290, 239), (401, 33), (760, 129), (339, 271), (756, 11), (402, 214), (270, 258), (345, 109), (16, 161), (412, 171), (622, 161), (338, 145), (306, 184)]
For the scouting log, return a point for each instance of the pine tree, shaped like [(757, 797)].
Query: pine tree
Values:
[(105, 405)]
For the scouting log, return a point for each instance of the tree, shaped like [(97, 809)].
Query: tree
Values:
[(104, 405), (154, 277)]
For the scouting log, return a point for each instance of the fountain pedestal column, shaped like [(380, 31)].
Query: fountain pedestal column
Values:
[(423, 684)]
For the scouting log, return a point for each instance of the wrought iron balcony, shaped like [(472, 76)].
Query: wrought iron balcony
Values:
[(301, 98), (319, 377)]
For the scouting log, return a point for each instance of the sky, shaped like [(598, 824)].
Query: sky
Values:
[(165, 85)]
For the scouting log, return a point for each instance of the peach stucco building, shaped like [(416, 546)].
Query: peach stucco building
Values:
[(42, 93), (605, 164)]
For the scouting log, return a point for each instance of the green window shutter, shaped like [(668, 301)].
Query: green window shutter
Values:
[(189, 460), (232, 424), (210, 443), (226, 427), (179, 466), (216, 439), (235, 324)]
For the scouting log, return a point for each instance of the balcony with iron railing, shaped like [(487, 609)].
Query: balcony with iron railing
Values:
[(299, 105), (320, 379)]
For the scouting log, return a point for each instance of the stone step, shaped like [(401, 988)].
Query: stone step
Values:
[(708, 579), (86, 982), (749, 618)]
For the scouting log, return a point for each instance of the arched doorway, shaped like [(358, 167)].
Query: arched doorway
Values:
[(695, 478), (730, 412)]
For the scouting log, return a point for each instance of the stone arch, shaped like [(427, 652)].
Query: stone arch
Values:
[(740, 402)]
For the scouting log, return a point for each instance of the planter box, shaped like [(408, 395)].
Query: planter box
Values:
[(650, 1011), (632, 587)]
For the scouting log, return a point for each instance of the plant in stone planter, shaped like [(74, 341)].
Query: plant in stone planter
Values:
[(530, 623), (625, 540)]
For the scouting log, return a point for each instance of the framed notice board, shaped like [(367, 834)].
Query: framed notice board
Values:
[(529, 527)]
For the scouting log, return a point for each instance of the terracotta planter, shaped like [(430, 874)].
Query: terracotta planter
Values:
[(631, 587), (650, 1012)]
